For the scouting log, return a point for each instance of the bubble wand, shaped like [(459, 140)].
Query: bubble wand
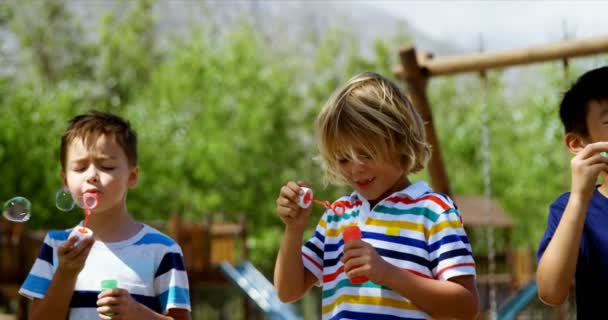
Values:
[(305, 199), (91, 201)]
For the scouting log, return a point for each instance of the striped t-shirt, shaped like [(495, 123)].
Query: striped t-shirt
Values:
[(418, 230), (149, 265)]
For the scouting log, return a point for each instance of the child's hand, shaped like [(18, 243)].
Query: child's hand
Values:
[(72, 256), (288, 209), (119, 303), (586, 166), (361, 259)]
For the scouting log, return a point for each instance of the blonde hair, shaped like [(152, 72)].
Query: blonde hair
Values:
[(370, 117)]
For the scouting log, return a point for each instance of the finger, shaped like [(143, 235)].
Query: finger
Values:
[(103, 300), (108, 312), (351, 254), (357, 270), (590, 163), (67, 245), (104, 317), (289, 193), (593, 148), (80, 250), (594, 158), (288, 203), (353, 264), (354, 244), (294, 187), (598, 167), (303, 184)]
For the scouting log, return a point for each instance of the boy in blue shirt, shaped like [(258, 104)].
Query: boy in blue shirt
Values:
[(575, 243), (99, 157)]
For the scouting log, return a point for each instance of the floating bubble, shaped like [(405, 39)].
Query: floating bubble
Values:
[(17, 209), (64, 200)]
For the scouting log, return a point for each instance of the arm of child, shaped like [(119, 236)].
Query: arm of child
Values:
[(557, 265), (56, 302), (456, 298), (291, 279), (121, 304)]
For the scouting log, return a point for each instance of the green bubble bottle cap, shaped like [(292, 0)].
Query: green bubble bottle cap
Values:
[(108, 284)]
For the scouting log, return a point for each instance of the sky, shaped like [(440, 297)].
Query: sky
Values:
[(502, 24)]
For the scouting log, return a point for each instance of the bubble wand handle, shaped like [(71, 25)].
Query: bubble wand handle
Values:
[(91, 201), (305, 199)]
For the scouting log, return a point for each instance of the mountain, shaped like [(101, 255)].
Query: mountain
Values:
[(282, 22)]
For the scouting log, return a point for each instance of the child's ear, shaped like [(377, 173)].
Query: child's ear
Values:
[(133, 176), (574, 142)]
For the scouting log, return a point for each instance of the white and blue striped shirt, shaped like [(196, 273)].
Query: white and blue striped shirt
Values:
[(149, 265)]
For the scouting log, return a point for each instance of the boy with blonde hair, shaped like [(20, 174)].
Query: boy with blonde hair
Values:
[(99, 157), (413, 250)]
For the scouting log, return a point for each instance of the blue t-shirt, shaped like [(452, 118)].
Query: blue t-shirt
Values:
[(149, 265), (592, 266)]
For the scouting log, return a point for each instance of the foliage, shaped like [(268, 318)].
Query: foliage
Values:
[(224, 121)]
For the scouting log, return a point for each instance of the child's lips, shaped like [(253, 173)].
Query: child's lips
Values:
[(364, 183)]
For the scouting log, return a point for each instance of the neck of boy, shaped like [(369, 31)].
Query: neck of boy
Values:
[(113, 224), (603, 188), (401, 184)]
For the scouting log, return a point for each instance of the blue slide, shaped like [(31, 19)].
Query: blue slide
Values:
[(518, 302), (259, 290)]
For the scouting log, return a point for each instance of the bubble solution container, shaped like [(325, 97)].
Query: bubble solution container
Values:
[(350, 233), (108, 284)]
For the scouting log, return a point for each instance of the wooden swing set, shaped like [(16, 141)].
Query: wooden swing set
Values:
[(416, 69)]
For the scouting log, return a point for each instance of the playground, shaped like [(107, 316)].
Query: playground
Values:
[(224, 121)]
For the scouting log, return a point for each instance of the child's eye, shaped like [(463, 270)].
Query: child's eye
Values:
[(107, 168)]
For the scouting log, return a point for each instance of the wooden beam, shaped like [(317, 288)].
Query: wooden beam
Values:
[(478, 62), (417, 82)]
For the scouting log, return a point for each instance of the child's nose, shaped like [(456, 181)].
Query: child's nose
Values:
[(357, 167), (92, 174)]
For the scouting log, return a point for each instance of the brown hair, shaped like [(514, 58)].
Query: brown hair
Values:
[(94, 124)]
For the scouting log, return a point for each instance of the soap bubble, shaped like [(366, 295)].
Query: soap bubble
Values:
[(17, 209)]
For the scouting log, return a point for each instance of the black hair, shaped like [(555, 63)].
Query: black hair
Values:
[(591, 86)]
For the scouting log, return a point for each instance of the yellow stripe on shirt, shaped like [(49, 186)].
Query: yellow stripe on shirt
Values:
[(366, 300)]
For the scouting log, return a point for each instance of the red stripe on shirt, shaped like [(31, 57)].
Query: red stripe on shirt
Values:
[(347, 204), (313, 261), (332, 276), (434, 198), (464, 264)]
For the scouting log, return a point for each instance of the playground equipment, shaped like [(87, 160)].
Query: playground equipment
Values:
[(417, 68), (259, 290)]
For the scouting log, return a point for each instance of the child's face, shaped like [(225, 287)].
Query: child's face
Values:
[(597, 121), (373, 179), (103, 168)]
